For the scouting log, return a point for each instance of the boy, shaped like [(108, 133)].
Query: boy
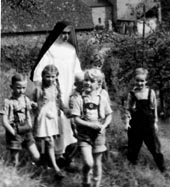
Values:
[(17, 120), (92, 115), (141, 120)]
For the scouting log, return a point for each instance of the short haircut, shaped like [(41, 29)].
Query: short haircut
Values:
[(18, 77), (141, 71), (79, 77), (50, 69), (94, 74)]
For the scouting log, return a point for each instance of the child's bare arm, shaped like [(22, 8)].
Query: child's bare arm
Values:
[(127, 111), (107, 121), (7, 125), (29, 119), (155, 110)]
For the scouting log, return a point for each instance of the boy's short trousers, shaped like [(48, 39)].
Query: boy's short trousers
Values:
[(19, 141), (97, 144)]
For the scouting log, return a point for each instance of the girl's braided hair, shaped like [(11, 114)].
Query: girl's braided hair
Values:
[(48, 70)]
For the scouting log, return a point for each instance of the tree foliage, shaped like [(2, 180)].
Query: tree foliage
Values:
[(153, 53)]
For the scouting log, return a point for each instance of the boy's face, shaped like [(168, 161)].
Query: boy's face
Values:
[(19, 88), (50, 78), (79, 85), (90, 84), (140, 81)]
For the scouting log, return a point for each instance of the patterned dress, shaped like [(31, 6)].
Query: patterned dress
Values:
[(47, 118)]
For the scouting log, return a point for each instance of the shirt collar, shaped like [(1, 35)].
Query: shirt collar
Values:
[(97, 93)]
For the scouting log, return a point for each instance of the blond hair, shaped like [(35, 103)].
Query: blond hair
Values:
[(94, 74), (141, 71)]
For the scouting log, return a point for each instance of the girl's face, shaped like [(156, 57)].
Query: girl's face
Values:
[(97, 65), (19, 88), (140, 81), (90, 85), (49, 79)]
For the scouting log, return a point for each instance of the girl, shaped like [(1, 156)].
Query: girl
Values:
[(141, 120), (60, 49), (47, 128), (17, 120)]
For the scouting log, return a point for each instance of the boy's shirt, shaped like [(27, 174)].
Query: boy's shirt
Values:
[(14, 106), (104, 93), (85, 106)]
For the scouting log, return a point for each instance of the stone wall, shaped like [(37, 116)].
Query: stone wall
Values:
[(36, 40)]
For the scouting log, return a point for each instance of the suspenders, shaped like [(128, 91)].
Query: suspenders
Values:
[(134, 96), (91, 106)]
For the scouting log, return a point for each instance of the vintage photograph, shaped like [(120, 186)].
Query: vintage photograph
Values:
[(85, 93)]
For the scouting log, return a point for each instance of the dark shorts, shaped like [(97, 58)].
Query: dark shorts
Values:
[(17, 142), (98, 142)]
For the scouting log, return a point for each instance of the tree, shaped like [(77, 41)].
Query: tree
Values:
[(155, 57)]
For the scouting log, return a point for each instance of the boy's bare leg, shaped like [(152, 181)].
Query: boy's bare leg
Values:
[(14, 154), (97, 171), (34, 152), (88, 164)]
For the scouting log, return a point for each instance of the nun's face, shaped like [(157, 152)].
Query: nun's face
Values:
[(65, 34)]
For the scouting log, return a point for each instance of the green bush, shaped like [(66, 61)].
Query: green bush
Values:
[(20, 58)]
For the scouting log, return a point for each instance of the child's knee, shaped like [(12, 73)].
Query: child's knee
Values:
[(34, 152), (89, 164), (50, 142), (36, 156)]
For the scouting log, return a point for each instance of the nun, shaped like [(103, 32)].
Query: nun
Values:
[(60, 49)]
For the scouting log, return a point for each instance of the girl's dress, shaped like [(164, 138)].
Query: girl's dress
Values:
[(47, 118)]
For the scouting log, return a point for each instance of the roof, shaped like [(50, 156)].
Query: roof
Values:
[(96, 3), (42, 15)]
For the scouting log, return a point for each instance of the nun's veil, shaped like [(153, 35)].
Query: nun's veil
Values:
[(54, 34)]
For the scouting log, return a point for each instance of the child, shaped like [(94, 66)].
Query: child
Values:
[(78, 89), (141, 120), (17, 120), (47, 127), (67, 160), (97, 62), (92, 115)]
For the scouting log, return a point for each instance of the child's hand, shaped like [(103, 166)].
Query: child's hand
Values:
[(67, 112), (127, 126), (103, 127), (34, 105), (156, 126), (96, 126)]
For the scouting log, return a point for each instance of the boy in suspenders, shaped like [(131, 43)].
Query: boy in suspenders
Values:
[(92, 114), (141, 120)]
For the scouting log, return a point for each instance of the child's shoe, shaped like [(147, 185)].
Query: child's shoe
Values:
[(59, 175)]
